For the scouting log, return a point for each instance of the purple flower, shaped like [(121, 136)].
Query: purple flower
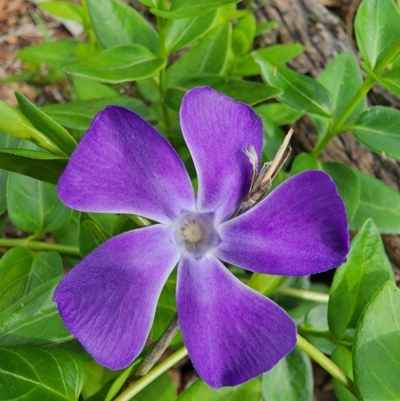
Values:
[(123, 165)]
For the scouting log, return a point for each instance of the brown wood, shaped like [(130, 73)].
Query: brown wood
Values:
[(325, 35)]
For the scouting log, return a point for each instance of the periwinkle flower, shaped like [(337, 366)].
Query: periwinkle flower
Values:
[(123, 165)]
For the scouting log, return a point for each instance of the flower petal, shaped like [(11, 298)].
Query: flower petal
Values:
[(299, 229), (124, 165), (232, 332), (108, 301), (217, 130)]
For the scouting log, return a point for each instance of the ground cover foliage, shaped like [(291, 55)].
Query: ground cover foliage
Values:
[(156, 53)]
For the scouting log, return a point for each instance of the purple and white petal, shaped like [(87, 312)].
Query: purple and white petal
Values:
[(299, 229), (124, 165), (108, 301), (232, 332), (218, 130)]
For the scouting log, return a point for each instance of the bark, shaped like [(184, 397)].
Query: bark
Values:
[(324, 36)]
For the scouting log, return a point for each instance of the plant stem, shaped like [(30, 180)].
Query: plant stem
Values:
[(303, 294), (161, 345), (144, 381), (40, 246), (322, 360), (138, 220)]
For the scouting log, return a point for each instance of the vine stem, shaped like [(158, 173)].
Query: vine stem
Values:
[(303, 294), (323, 361), (40, 246), (162, 367)]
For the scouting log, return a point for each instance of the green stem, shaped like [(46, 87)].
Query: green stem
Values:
[(346, 341), (152, 375), (40, 246), (304, 294), (322, 360), (140, 221)]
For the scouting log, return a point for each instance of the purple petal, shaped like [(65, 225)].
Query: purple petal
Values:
[(217, 130), (108, 301), (124, 165), (232, 333), (299, 229)]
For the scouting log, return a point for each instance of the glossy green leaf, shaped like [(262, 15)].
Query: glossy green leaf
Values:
[(182, 32), (33, 163), (290, 380), (265, 26), (119, 64), (161, 389), (32, 374), (21, 271), (275, 55), (199, 391), (343, 358), (366, 270), (347, 184), (115, 23), (303, 162), (298, 91), (378, 130), (278, 113), (33, 206), (54, 54), (376, 352), (246, 26), (45, 124), (265, 283), (79, 114), (242, 91), (90, 235), (391, 80), (316, 322), (64, 9), (190, 8), (377, 29), (6, 141), (86, 89), (33, 319), (208, 56), (379, 202), (342, 78)]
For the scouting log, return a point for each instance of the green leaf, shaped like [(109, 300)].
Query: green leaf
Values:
[(32, 163), (378, 130), (34, 206), (354, 284), (115, 24), (265, 283), (87, 89), (342, 78), (377, 29), (182, 32), (21, 271), (32, 374), (275, 55), (265, 26), (161, 389), (379, 202), (6, 141), (303, 162), (190, 8), (290, 380), (199, 391), (54, 54), (376, 352), (90, 235), (79, 114), (348, 186), (343, 358), (242, 91), (33, 319), (119, 64), (298, 91), (64, 9), (278, 113), (208, 56), (391, 81), (42, 122), (246, 26)]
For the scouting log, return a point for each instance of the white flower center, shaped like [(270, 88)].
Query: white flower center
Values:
[(195, 233)]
